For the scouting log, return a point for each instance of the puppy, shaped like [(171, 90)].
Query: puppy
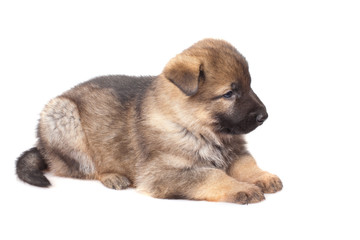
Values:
[(176, 135)]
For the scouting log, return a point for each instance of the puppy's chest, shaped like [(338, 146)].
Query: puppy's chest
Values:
[(205, 151), (213, 155)]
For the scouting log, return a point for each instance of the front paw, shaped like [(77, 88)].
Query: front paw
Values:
[(269, 183), (251, 194)]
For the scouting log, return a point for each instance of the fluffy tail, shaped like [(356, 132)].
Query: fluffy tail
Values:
[(29, 167)]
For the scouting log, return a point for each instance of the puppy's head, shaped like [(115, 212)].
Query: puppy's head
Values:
[(216, 79)]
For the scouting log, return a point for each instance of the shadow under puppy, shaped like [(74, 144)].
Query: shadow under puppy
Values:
[(176, 135)]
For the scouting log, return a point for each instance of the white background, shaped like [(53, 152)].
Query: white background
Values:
[(305, 66)]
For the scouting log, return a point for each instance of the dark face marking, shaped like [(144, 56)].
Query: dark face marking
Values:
[(246, 114)]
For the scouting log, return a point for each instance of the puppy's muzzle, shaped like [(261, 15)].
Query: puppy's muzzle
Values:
[(261, 117)]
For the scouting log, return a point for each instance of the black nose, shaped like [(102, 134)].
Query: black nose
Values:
[(261, 117)]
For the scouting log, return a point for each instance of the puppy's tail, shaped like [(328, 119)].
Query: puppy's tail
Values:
[(29, 167)]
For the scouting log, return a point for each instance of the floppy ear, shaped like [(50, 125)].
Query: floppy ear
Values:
[(184, 71)]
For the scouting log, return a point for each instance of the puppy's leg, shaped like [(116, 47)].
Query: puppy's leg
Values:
[(114, 180), (245, 169), (208, 184), (62, 140)]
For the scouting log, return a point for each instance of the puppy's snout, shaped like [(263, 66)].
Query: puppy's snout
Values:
[(261, 117)]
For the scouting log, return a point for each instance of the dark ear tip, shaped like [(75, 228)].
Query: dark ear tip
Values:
[(184, 72), (189, 91), (201, 68)]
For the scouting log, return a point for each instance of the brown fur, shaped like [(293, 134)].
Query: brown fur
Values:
[(170, 136), (245, 169)]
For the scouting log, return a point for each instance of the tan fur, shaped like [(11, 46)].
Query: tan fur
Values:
[(218, 186), (245, 169), (61, 129), (164, 140)]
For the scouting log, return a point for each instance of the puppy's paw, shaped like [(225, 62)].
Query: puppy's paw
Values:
[(114, 181), (252, 194), (269, 183)]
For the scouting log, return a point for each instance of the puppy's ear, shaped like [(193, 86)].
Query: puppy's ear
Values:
[(185, 72)]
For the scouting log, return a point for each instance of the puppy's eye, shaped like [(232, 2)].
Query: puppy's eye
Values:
[(228, 94)]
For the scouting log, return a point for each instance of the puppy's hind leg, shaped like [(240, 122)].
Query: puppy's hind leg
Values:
[(114, 181), (62, 140)]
